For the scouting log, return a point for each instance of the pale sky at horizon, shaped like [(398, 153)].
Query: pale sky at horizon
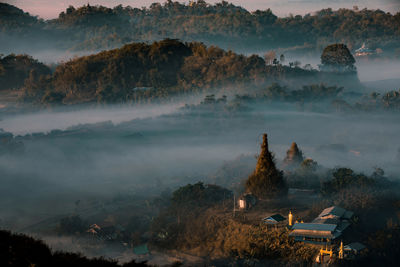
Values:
[(51, 8)]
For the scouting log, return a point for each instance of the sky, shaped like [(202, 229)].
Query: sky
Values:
[(51, 8)]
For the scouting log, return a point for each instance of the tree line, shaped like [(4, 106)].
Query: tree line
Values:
[(224, 24), (141, 72)]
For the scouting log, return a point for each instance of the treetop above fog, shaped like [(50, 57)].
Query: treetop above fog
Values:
[(337, 57)]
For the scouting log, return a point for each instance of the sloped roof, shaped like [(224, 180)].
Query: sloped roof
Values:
[(356, 246), (326, 221), (275, 218), (300, 236), (314, 226), (334, 210)]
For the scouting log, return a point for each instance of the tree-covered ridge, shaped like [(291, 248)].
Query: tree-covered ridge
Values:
[(14, 69), (140, 71), (202, 21), (12, 18), (144, 72), (226, 25)]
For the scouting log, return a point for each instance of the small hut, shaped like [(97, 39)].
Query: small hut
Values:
[(353, 250), (275, 220)]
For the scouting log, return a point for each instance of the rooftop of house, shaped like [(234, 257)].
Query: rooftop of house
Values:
[(356, 246), (330, 223), (274, 218), (364, 49), (335, 212), (315, 227)]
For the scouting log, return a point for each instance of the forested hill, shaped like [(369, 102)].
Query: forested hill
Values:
[(223, 24), (143, 72), (21, 250), (12, 18)]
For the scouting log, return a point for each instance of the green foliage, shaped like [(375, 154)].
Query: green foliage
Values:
[(337, 57), (389, 101), (14, 69), (141, 72), (213, 234), (15, 19), (305, 176), (117, 75), (343, 178), (53, 97), (316, 92), (309, 93), (182, 224), (256, 241), (199, 195), (98, 27)]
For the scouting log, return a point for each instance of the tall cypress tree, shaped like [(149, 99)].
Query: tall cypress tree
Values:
[(266, 181)]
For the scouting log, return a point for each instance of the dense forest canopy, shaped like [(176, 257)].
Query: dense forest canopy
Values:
[(14, 69), (224, 24), (118, 180), (337, 57), (141, 72)]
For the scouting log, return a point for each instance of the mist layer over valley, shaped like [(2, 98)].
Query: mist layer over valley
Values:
[(199, 134), (147, 155)]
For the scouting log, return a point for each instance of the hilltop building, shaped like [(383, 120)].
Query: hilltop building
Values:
[(294, 157), (328, 226), (364, 51)]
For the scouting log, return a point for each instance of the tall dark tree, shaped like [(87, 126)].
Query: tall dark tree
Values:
[(337, 57), (266, 181)]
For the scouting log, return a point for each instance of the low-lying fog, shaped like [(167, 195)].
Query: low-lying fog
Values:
[(22, 124), (377, 74), (152, 148)]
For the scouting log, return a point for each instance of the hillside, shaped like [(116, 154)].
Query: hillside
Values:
[(223, 24), (21, 250), (14, 69), (13, 18), (140, 72)]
